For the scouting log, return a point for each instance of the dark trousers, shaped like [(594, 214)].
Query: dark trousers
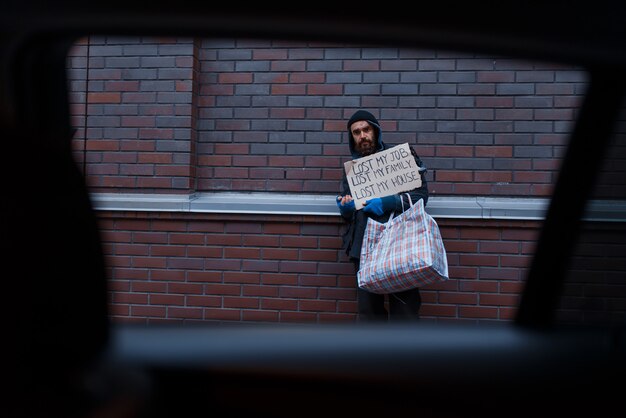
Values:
[(401, 306)]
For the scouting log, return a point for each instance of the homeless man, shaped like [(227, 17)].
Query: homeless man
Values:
[(365, 138)]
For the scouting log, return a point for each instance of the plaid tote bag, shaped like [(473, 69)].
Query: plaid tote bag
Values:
[(404, 253)]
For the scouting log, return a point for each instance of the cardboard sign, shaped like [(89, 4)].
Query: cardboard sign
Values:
[(384, 173)]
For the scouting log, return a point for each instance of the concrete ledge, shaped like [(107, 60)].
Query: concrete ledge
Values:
[(141, 202), (265, 203), (606, 211), (308, 204)]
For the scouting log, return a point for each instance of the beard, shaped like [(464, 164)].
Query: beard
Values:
[(366, 147)]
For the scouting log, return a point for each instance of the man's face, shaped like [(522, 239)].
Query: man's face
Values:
[(364, 137)]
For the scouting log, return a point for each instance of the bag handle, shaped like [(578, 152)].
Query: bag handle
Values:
[(402, 201)]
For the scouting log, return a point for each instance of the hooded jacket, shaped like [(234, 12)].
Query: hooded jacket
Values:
[(357, 220)]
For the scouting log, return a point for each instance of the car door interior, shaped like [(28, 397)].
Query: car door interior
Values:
[(63, 364)]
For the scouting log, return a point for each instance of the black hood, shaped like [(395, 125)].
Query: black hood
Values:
[(367, 116)]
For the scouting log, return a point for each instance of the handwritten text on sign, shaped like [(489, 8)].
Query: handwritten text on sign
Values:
[(382, 174)]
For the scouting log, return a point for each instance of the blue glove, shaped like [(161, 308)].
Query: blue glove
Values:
[(380, 205), (346, 209)]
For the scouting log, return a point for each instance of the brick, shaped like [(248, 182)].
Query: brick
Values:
[(185, 288), (478, 312), (149, 262), (280, 254), (464, 246), (105, 73), (116, 310), (241, 302), (317, 280), (279, 304), (298, 317), (309, 174), (337, 294), (260, 265), (324, 89), (281, 228), (458, 298), (335, 268), (222, 314), (168, 275), (118, 285), (244, 253), (462, 272), (507, 314), (533, 177), (129, 298), (298, 292), (122, 249), (152, 287), (262, 241), (243, 227), (288, 89), (512, 287), (521, 261), (494, 102), (186, 263), (238, 77), (204, 276), (221, 264), (493, 177), (264, 291), (331, 318), (148, 311), (335, 243), (278, 278), (260, 316), (160, 299), (317, 306), (479, 260), (499, 300), (298, 267), (480, 233), (500, 273), (499, 247), (481, 286), (222, 289), (454, 176), (347, 306), (204, 301), (318, 255), (286, 161), (242, 277), (494, 151)]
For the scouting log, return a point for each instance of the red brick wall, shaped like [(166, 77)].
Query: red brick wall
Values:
[(201, 267), (255, 115), (594, 291)]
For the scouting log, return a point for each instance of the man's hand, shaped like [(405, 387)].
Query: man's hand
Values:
[(379, 206), (345, 204)]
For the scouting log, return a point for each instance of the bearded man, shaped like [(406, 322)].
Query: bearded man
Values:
[(365, 138)]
